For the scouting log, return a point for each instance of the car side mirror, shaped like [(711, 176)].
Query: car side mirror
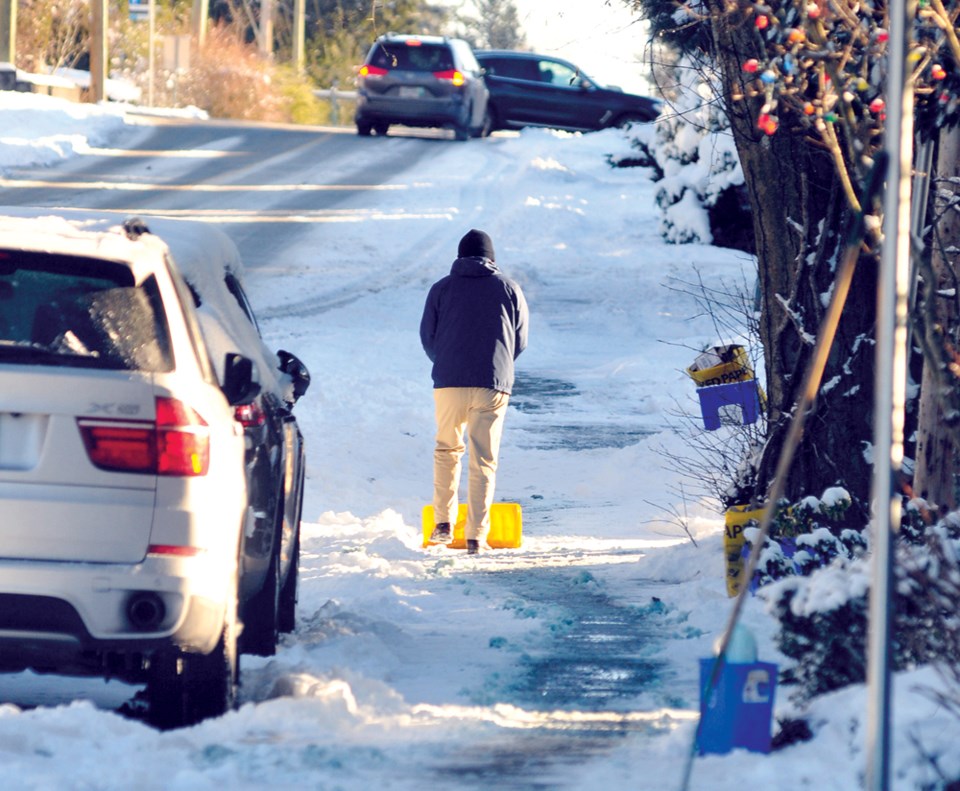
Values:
[(293, 367), (240, 385)]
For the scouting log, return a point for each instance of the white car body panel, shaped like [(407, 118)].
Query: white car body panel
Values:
[(79, 534)]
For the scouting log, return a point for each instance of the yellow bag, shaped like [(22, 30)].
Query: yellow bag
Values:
[(736, 518), (736, 370)]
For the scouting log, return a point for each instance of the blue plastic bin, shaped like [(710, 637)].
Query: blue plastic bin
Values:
[(738, 712), (744, 395)]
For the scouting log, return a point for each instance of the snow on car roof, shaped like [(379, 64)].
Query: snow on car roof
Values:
[(50, 230), (204, 254), (201, 252)]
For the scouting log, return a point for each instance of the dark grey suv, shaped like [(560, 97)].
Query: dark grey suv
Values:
[(527, 89), (423, 81)]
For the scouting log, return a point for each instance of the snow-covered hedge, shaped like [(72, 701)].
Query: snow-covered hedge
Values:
[(823, 608), (692, 154)]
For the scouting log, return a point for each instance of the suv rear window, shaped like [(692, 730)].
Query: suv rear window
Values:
[(408, 57), (70, 310)]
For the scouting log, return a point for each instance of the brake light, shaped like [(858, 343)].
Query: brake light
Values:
[(121, 445), (456, 77), (372, 71), (183, 439), (249, 415), (177, 443)]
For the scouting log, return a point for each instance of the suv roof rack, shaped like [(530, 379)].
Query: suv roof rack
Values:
[(135, 227)]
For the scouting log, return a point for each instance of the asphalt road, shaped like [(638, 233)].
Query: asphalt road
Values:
[(263, 182)]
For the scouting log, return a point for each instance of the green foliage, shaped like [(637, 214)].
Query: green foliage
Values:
[(804, 83), (823, 617), (819, 69), (828, 645), (497, 26), (680, 27), (229, 78), (129, 43), (302, 107), (332, 57), (695, 131), (51, 34), (813, 513), (807, 535), (340, 32)]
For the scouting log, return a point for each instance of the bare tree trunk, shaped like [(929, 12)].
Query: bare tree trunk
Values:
[(935, 477), (800, 221)]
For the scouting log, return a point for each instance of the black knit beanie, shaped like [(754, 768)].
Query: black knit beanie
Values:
[(476, 243)]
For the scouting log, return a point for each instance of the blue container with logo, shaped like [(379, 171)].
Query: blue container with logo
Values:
[(737, 709)]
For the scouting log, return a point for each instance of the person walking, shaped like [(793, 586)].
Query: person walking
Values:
[(474, 326)]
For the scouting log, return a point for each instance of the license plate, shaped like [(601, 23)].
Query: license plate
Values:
[(408, 92), (21, 440)]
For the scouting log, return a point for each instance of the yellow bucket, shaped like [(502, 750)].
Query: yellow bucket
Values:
[(737, 370), (506, 526), (736, 518)]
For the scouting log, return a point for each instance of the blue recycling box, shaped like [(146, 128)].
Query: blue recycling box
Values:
[(744, 395), (738, 712)]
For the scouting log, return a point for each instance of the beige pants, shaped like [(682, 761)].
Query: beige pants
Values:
[(480, 412)]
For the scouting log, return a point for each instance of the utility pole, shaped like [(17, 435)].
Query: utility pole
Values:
[(299, 27), (98, 50), (890, 391), (266, 27), (201, 10), (151, 50), (8, 31)]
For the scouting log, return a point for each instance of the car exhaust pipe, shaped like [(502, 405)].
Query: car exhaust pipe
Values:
[(145, 611)]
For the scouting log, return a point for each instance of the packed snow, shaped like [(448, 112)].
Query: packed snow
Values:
[(415, 666)]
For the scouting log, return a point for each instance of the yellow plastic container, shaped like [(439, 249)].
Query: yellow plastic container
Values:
[(506, 526), (736, 518), (737, 370)]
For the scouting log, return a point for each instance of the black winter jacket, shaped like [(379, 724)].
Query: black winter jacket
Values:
[(474, 326)]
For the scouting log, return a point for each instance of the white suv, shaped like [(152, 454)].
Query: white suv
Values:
[(122, 481)]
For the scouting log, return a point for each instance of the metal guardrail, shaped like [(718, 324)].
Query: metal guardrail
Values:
[(335, 96), (13, 79)]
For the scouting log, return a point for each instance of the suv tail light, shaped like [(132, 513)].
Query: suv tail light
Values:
[(176, 443), (249, 415), (175, 550), (452, 75), (372, 71)]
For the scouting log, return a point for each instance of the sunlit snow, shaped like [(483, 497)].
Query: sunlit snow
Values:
[(411, 663)]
